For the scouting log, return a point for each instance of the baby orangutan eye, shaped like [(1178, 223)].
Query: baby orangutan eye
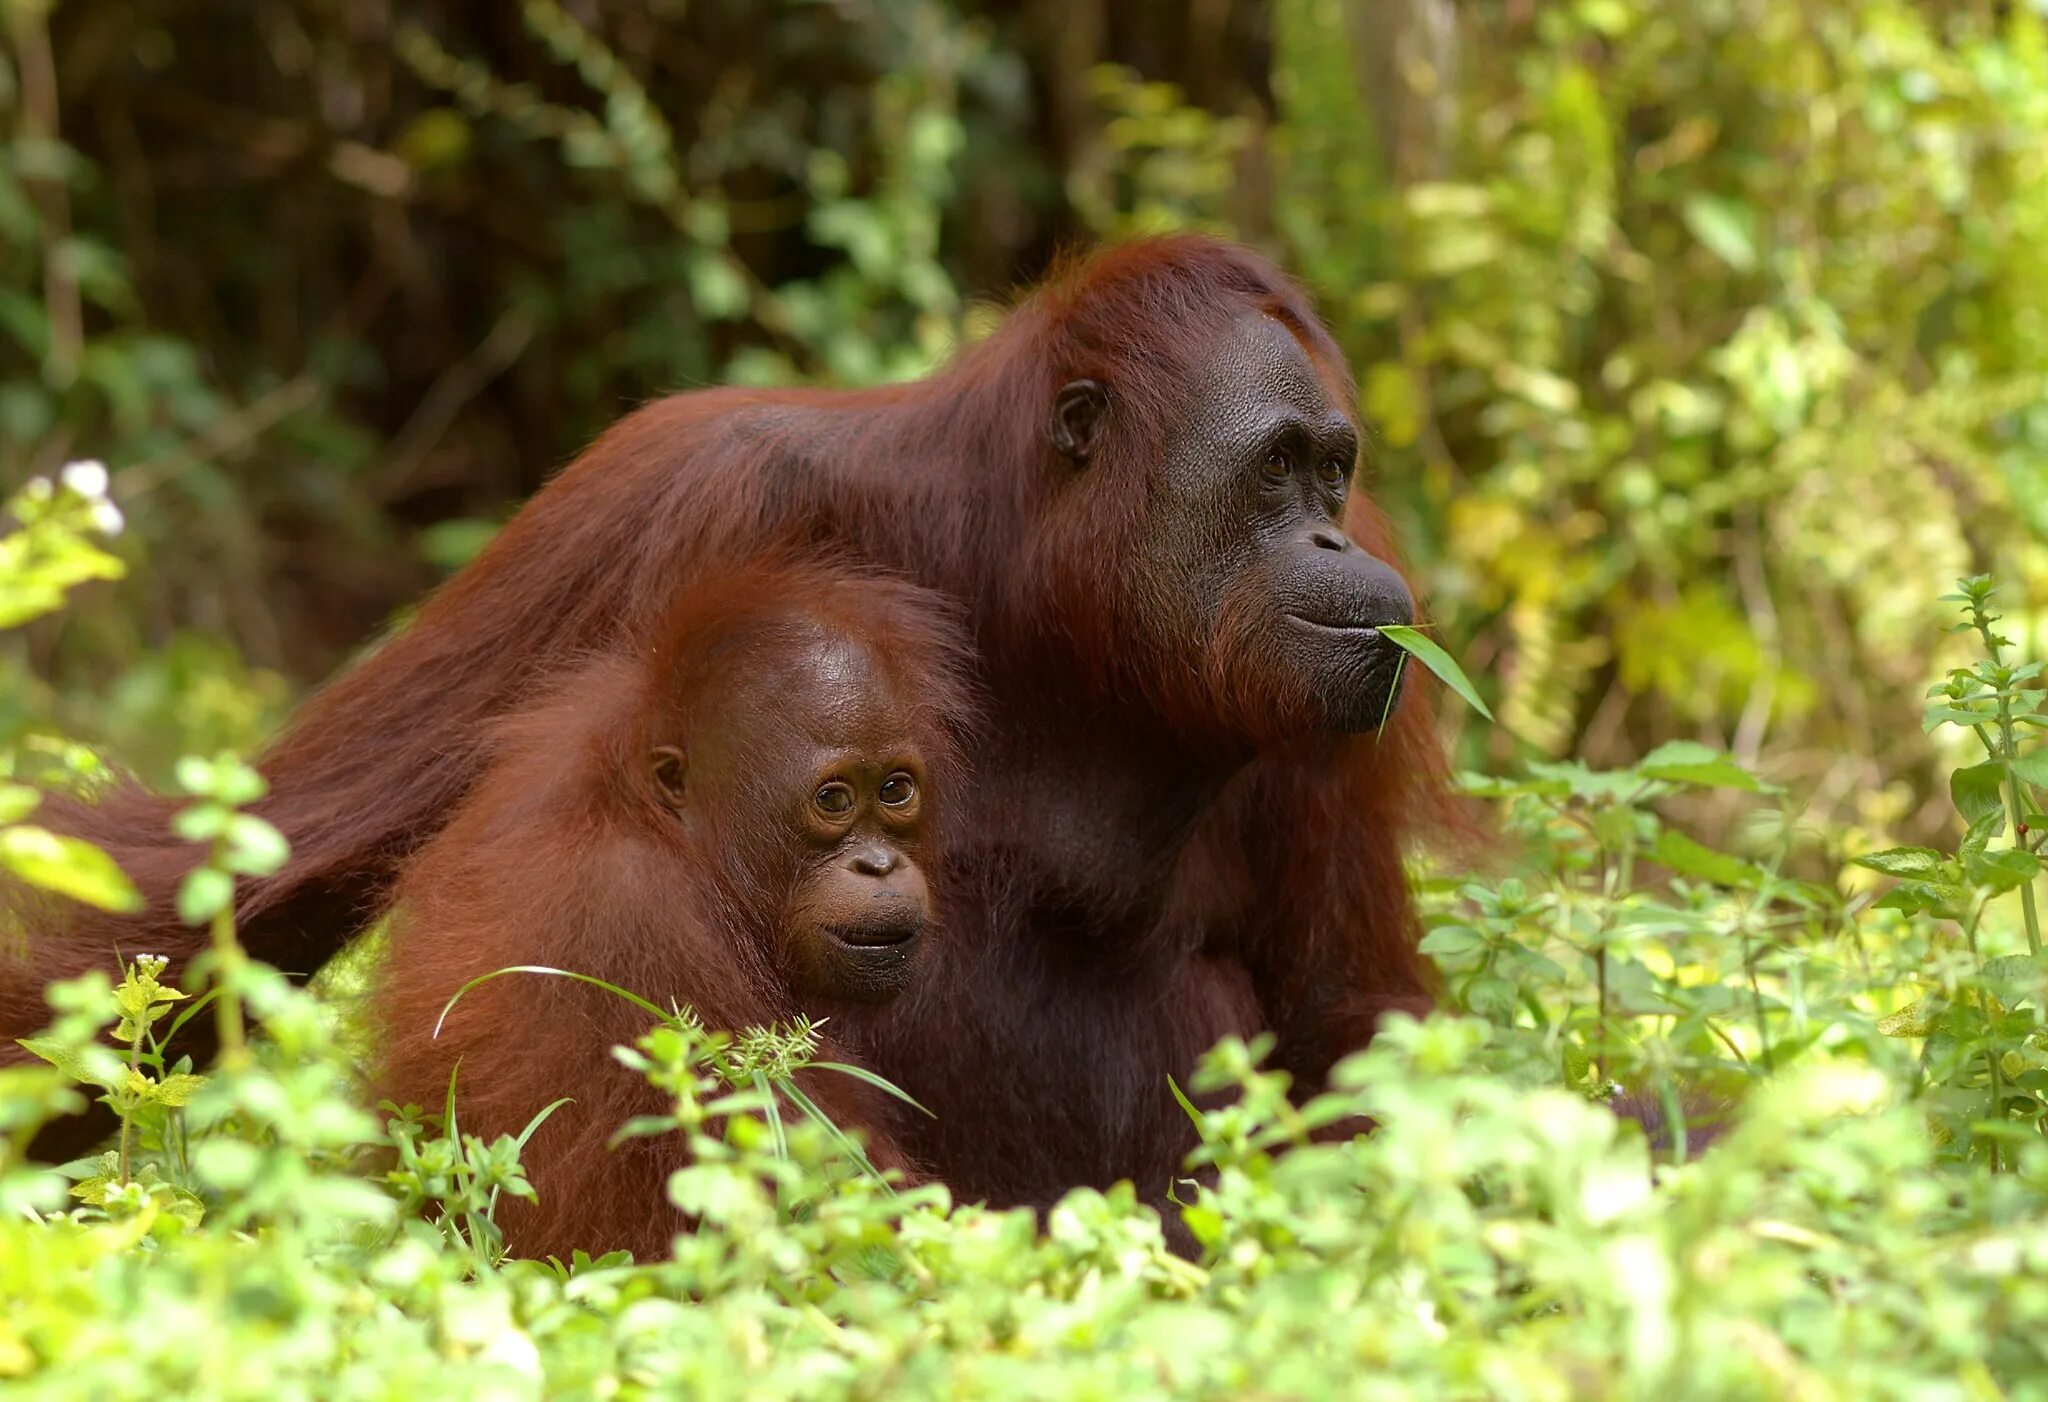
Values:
[(897, 790), (834, 799)]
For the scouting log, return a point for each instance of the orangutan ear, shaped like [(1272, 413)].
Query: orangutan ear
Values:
[(1077, 414), (669, 768)]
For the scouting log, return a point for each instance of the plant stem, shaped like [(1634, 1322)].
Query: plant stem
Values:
[(1600, 1019), (2015, 816), (2007, 752), (227, 1008), (127, 1117), (1756, 998), (1991, 1053)]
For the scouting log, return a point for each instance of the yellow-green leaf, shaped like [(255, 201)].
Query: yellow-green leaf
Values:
[(1432, 656), (69, 866)]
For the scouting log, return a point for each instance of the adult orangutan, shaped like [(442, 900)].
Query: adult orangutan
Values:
[(1187, 818), (740, 818)]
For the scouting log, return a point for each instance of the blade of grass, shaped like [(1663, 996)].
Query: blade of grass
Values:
[(1185, 1103), (771, 1108), (1432, 656), (839, 1136), (472, 1233), (186, 1013), (861, 1073), (635, 999), (526, 1134)]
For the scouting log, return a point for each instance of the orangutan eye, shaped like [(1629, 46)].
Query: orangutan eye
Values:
[(897, 790), (1279, 465), (834, 799), (1334, 471)]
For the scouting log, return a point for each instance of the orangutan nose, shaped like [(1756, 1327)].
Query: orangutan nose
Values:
[(872, 861)]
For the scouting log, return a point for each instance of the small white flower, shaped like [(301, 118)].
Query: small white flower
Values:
[(108, 518), (36, 489), (87, 477)]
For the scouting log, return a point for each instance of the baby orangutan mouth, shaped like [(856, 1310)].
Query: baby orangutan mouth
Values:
[(894, 931)]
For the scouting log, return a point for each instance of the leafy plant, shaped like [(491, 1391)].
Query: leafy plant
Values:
[(1985, 1048)]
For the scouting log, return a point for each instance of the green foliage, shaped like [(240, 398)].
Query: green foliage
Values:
[(53, 548), (763, 1060), (1487, 1239)]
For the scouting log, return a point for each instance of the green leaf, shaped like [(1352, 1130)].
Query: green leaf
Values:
[(1938, 714), (1582, 782), (91, 1064), (1614, 828), (69, 866), (93, 1191), (237, 784), (1916, 1019), (1430, 655), (1490, 996), (1978, 790), (1450, 940), (1983, 829), (1903, 861), (1689, 762), (1690, 858), (255, 848), (17, 801), (205, 893), (202, 822), (1942, 898), (2032, 768), (2016, 977), (177, 1090), (1727, 227), (2004, 870)]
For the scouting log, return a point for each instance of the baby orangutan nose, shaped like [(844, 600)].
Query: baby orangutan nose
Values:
[(873, 861)]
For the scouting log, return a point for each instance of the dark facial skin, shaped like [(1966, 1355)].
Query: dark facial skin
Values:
[(1248, 522), (844, 793)]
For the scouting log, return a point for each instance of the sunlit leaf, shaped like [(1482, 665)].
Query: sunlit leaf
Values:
[(1430, 655), (1725, 226), (1689, 762), (1690, 858), (69, 866), (1978, 790), (1903, 861)]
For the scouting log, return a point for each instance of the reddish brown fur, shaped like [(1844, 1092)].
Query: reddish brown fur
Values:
[(1154, 853), (564, 855)]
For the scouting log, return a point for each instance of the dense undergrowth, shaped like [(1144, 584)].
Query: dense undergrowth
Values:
[(1870, 1226)]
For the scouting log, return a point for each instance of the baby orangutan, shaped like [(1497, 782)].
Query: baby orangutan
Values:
[(744, 819)]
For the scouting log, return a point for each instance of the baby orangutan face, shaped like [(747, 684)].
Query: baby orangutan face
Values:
[(813, 772)]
